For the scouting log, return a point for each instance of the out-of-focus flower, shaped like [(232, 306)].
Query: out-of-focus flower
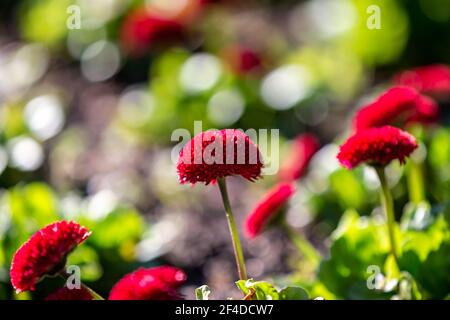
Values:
[(184, 11), (216, 154), (376, 146), (242, 60), (267, 208), (159, 283), (432, 80), (398, 105), (142, 29), (45, 253), (65, 293), (157, 22), (303, 149)]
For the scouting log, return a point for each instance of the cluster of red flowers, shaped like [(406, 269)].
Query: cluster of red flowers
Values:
[(374, 141), (159, 283), (45, 253), (195, 164), (216, 154)]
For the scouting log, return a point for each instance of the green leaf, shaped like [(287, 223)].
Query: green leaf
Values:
[(31, 207), (119, 228), (357, 244), (416, 216), (426, 256), (263, 290), (341, 181), (87, 259), (293, 293), (266, 291), (202, 293)]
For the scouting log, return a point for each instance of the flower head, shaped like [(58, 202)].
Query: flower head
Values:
[(303, 149), (268, 208), (45, 253), (159, 283), (142, 29), (215, 154), (376, 146), (397, 105), (241, 59), (65, 293), (156, 23), (433, 80)]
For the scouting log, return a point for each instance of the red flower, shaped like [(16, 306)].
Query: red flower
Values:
[(303, 149), (242, 60), (159, 283), (45, 253), (141, 29), (433, 80), (215, 154), (151, 25), (376, 146), (65, 293), (396, 106), (268, 208)]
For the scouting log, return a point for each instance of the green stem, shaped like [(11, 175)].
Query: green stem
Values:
[(94, 294), (303, 245), (388, 204), (238, 253), (415, 182)]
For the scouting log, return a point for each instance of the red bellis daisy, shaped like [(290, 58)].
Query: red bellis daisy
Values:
[(159, 283), (433, 80), (268, 208), (142, 29), (216, 154), (70, 294), (45, 253), (376, 146), (152, 25), (303, 149), (397, 105)]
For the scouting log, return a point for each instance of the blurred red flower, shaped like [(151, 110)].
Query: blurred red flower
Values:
[(159, 283), (242, 60), (215, 154), (156, 24), (432, 80), (303, 149), (398, 105), (65, 293), (268, 208), (376, 146), (141, 29), (45, 253)]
